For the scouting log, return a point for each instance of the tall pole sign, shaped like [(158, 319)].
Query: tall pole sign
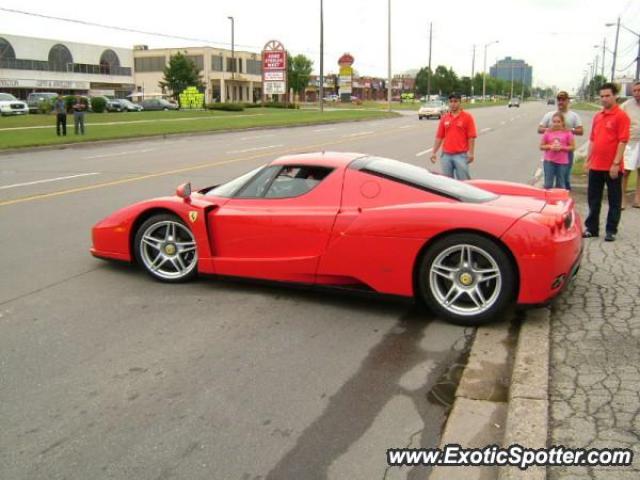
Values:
[(274, 68), (346, 77)]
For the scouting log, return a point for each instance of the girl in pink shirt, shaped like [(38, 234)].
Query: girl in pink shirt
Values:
[(556, 144)]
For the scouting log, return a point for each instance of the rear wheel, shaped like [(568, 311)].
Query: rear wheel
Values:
[(166, 249), (467, 279)]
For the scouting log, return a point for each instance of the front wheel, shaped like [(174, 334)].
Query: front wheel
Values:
[(467, 279), (166, 249)]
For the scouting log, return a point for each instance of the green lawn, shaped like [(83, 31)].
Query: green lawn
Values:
[(403, 106), (580, 170), (36, 130), (585, 106)]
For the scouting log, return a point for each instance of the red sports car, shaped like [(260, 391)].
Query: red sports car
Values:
[(468, 249)]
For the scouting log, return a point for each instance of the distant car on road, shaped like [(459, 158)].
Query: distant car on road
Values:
[(551, 101), (514, 102), (158, 104), (434, 108), (36, 98), (467, 249), (10, 105)]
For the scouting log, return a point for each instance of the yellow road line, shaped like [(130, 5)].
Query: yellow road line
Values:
[(191, 168)]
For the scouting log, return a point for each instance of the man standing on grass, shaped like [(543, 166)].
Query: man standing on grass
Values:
[(456, 134), (609, 137), (632, 152), (60, 110), (572, 122)]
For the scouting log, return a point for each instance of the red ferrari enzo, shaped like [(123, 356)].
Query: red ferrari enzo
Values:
[(468, 249)]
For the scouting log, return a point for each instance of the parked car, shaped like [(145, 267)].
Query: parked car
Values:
[(10, 105), (35, 99), (129, 106), (435, 108), (551, 101), (467, 249), (158, 104), (332, 98), (514, 102)]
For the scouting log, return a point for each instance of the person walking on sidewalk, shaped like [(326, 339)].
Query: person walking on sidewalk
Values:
[(632, 152), (557, 143), (609, 137), (79, 108), (60, 110), (572, 121), (456, 134)]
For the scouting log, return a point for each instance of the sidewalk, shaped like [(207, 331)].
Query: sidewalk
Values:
[(594, 388)]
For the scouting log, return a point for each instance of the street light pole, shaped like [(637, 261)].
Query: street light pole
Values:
[(484, 69), (473, 66), (511, 95), (321, 57), (233, 58), (604, 48), (389, 57), (615, 51), (429, 72)]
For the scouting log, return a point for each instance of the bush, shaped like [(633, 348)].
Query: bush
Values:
[(227, 107), (98, 104), (291, 106), (252, 105), (70, 101), (45, 106)]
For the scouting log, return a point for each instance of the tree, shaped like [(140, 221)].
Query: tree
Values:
[(298, 72), (181, 73)]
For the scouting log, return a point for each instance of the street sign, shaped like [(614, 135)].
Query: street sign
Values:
[(274, 68)]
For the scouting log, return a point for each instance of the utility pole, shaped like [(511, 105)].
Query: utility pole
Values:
[(473, 67), (484, 70), (511, 95), (233, 60), (604, 48), (389, 57), (595, 69), (429, 72), (615, 52), (321, 57)]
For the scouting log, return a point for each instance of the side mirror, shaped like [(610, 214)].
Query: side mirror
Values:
[(184, 190)]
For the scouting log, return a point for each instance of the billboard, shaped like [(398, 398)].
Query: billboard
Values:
[(274, 68)]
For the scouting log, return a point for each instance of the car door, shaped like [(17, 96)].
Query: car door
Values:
[(278, 225)]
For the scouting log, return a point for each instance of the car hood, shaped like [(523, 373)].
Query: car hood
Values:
[(11, 102)]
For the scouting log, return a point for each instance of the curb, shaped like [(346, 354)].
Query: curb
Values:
[(502, 397), (115, 141)]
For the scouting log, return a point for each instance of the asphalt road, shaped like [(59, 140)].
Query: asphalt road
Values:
[(105, 373)]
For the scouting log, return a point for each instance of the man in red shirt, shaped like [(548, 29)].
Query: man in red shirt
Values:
[(609, 136), (456, 134)]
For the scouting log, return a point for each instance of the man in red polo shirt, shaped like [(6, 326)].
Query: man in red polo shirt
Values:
[(456, 134), (609, 136)]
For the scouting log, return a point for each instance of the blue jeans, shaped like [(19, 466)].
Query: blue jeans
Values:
[(555, 174), (455, 165), (567, 175)]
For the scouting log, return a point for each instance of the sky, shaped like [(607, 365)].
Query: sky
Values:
[(555, 37)]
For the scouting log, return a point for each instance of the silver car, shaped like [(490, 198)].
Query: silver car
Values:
[(434, 108)]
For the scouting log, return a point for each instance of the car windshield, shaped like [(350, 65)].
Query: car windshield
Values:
[(230, 188), (423, 179), (6, 97)]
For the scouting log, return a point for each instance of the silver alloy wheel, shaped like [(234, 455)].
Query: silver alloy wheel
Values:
[(465, 280), (168, 250)]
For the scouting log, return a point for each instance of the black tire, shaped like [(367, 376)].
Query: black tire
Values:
[(501, 291), (183, 233), (420, 117)]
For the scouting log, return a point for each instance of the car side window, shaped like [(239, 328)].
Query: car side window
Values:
[(293, 181), (259, 184)]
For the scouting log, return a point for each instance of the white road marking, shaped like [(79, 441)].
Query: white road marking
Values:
[(324, 129), (424, 152), (47, 180), (119, 154), (254, 149), (258, 136), (357, 134), (407, 126), (502, 122), (484, 130)]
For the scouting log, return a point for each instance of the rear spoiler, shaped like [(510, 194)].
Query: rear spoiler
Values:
[(553, 196)]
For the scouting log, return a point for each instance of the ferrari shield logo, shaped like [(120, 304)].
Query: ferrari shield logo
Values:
[(193, 216)]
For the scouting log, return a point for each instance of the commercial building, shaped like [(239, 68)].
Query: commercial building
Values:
[(30, 64), (224, 79), (510, 68)]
